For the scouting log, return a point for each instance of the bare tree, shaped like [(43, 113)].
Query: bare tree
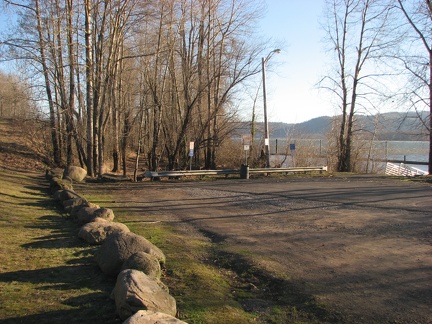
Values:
[(200, 55), (45, 44), (357, 32), (45, 69), (190, 56), (418, 14), (15, 101), (215, 56), (89, 68)]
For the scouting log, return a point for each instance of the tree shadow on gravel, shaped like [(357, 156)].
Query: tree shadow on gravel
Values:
[(273, 299)]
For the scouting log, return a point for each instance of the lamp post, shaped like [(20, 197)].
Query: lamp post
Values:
[(266, 126)]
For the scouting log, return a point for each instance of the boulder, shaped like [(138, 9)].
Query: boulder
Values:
[(73, 211), (135, 291), (59, 184), (118, 247), (96, 232), (89, 214), (63, 195), (51, 173), (74, 202), (144, 262), (75, 173), (150, 317)]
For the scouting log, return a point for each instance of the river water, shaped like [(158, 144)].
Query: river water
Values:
[(306, 152)]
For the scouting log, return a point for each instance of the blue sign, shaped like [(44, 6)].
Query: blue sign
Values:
[(292, 147)]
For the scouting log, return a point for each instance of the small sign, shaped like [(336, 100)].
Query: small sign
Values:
[(292, 147), (246, 147), (266, 142), (191, 152), (247, 139), (191, 145)]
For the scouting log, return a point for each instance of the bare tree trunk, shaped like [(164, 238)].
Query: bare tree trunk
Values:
[(115, 154), (429, 48), (89, 86), (126, 130), (424, 37), (116, 103), (54, 136), (429, 4), (157, 91), (71, 104), (341, 48), (353, 30), (138, 151)]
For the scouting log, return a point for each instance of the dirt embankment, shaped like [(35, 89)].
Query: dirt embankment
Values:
[(18, 146)]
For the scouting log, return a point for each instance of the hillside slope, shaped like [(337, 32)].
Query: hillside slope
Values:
[(18, 148), (393, 126)]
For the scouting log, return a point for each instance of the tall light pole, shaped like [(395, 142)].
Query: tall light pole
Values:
[(266, 126)]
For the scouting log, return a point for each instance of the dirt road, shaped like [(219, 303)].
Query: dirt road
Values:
[(361, 245)]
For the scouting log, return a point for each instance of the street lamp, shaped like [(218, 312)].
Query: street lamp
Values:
[(266, 126)]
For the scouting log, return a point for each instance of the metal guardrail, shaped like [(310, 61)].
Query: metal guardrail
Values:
[(160, 174), (403, 170), (288, 170), (404, 161)]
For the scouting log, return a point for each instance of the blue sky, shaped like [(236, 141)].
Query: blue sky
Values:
[(291, 96)]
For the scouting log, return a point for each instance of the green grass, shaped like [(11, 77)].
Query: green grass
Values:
[(203, 291), (47, 274)]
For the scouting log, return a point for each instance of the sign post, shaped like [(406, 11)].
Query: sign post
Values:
[(292, 149), (247, 142), (191, 153)]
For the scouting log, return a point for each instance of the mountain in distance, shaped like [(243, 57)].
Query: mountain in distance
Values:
[(313, 128), (392, 126)]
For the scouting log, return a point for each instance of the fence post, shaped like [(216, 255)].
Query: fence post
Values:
[(244, 171)]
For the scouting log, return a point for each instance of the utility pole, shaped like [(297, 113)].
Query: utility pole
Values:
[(266, 126)]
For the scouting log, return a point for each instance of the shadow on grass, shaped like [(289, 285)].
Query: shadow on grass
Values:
[(91, 308), (62, 277), (65, 284), (63, 233), (77, 284)]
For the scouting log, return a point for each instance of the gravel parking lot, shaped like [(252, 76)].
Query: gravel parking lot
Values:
[(361, 245)]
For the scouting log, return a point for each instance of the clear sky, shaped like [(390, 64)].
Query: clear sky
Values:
[(291, 95)]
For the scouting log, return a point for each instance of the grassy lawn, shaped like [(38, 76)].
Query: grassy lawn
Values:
[(47, 274)]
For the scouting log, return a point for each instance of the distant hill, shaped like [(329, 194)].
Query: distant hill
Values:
[(393, 126)]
